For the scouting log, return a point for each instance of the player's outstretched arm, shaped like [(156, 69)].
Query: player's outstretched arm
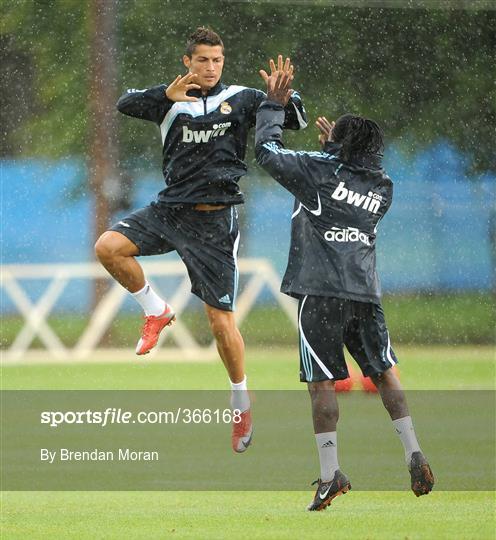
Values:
[(291, 169), (148, 104), (153, 103)]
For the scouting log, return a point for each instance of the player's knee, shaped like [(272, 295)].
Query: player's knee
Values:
[(103, 248), (324, 406), (112, 245), (320, 388), (386, 378), (323, 400)]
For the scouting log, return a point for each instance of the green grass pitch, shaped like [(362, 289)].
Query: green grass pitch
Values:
[(264, 515)]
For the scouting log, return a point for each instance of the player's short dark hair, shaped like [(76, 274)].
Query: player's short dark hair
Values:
[(203, 36), (357, 135)]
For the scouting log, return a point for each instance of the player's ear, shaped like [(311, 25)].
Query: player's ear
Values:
[(187, 61)]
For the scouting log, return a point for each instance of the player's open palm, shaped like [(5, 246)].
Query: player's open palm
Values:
[(281, 67), (177, 90), (279, 81)]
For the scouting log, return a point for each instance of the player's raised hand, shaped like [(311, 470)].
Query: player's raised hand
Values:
[(279, 87), (285, 67), (279, 81), (176, 91), (325, 129)]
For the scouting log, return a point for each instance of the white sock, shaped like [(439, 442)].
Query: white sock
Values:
[(149, 300), (240, 398), (405, 431), (327, 445)]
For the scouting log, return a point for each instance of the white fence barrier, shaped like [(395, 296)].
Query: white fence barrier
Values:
[(260, 274)]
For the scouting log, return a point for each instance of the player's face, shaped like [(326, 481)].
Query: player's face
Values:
[(207, 62)]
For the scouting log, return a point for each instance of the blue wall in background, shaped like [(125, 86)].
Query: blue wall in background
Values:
[(436, 235)]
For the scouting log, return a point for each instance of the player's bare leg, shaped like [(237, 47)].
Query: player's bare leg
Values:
[(392, 394), (229, 341), (325, 408), (117, 254), (394, 400), (325, 414), (231, 349)]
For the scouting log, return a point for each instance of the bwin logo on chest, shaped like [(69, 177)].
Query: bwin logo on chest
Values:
[(370, 202), (204, 135)]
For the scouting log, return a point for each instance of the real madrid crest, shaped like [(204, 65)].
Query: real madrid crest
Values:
[(225, 108)]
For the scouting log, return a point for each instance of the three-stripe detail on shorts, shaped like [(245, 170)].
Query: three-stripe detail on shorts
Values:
[(308, 355)]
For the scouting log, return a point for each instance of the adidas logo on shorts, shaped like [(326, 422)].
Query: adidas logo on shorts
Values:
[(226, 299)]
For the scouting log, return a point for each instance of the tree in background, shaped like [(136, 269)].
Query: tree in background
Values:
[(103, 146), (426, 73)]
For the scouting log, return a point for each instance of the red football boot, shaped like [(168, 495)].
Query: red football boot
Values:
[(242, 432), (152, 328)]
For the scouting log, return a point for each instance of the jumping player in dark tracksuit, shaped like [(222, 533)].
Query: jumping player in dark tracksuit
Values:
[(341, 194), (204, 126)]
